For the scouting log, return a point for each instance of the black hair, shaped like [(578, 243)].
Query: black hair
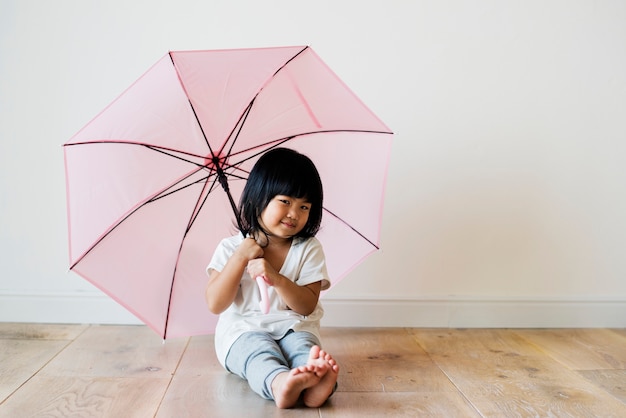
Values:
[(281, 171)]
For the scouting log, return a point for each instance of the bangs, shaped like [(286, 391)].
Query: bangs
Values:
[(289, 187)]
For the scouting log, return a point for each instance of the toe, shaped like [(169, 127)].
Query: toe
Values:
[(315, 352)]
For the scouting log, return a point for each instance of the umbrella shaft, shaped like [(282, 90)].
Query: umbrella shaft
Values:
[(221, 177)]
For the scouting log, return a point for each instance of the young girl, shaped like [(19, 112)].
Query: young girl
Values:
[(278, 353)]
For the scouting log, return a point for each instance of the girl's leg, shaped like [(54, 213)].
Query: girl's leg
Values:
[(257, 358), (296, 347)]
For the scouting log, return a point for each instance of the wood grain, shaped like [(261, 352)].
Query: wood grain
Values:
[(589, 349), (382, 360), (503, 375), (398, 404), (612, 381), (118, 351), (45, 396)]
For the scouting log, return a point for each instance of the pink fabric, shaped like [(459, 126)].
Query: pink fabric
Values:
[(144, 210)]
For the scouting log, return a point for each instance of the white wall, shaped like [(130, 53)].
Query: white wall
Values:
[(506, 200)]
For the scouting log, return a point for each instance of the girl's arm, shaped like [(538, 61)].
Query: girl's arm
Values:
[(302, 299), (222, 287)]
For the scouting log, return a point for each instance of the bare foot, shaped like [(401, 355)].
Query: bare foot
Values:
[(317, 360), (288, 386), (327, 369)]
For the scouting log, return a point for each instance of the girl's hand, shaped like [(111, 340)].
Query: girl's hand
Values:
[(249, 249), (260, 267)]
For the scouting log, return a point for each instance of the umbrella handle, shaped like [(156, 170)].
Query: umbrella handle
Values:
[(265, 300)]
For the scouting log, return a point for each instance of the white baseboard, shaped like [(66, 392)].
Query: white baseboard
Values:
[(475, 313), (63, 308), (97, 308)]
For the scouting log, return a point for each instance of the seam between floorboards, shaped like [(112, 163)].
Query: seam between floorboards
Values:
[(169, 384)]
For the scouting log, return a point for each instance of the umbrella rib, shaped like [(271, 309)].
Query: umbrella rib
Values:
[(194, 215), (289, 60), (199, 206), (351, 227), (238, 127), (277, 142), (262, 147), (164, 150), (106, 234), (193, 109), (162, 195)]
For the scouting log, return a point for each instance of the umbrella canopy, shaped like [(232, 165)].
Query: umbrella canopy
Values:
[(152, 180)]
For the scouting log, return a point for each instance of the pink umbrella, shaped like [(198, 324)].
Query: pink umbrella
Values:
[(152, 180)]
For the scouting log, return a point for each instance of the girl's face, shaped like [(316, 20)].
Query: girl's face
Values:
[(285, 216)]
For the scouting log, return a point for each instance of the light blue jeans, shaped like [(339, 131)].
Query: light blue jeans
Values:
[(258, 358)]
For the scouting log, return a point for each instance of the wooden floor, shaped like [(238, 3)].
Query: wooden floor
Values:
[(126, 371)]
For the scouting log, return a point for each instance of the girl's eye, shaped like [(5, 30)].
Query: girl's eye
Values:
[(305, 207)]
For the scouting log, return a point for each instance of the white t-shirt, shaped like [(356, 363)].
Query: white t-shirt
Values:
[(305, 264)]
